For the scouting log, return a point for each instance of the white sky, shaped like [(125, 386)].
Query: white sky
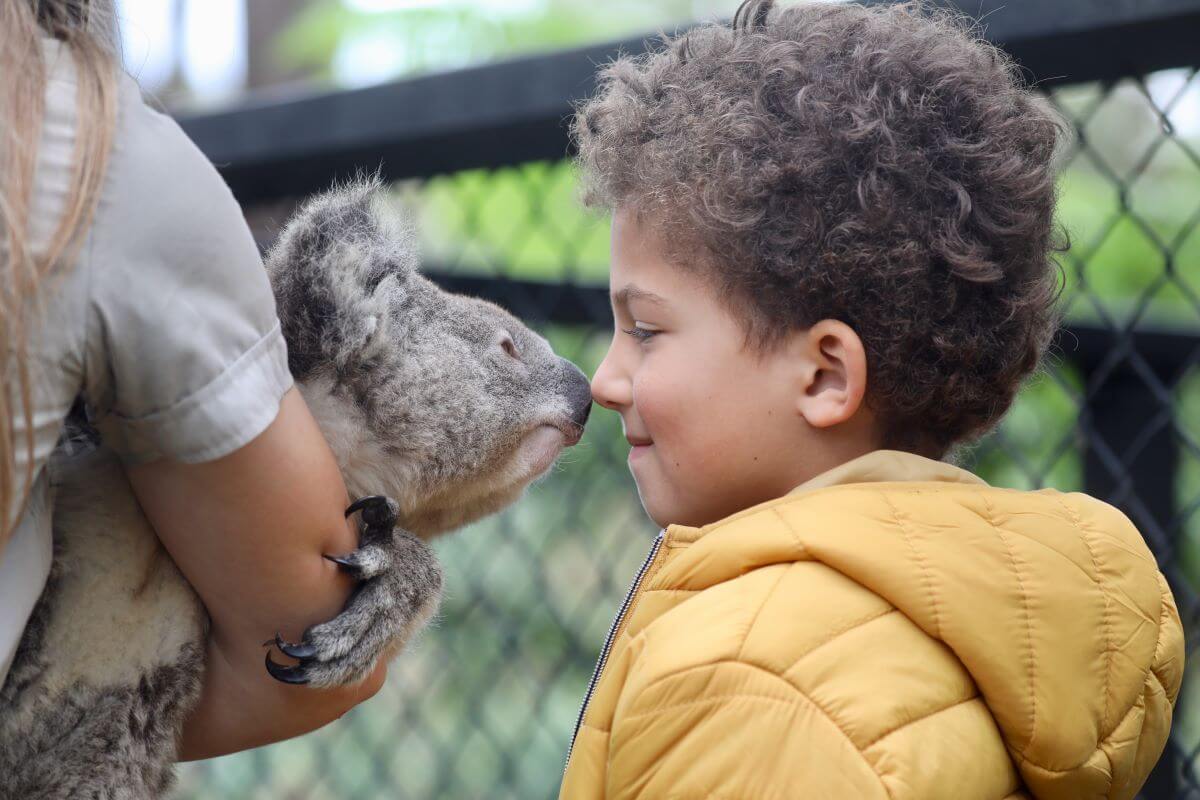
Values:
[(211, 52)]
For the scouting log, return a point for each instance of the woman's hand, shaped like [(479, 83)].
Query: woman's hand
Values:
[(249, 531)]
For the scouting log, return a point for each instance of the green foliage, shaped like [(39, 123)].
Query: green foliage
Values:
[(454, 34)]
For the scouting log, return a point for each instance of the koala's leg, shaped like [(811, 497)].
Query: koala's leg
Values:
[(109, 743), (400, 591), (112, 657)]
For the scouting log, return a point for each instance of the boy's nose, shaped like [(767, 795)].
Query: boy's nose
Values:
[(609, 388)]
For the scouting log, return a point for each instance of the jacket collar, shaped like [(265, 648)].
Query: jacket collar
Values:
[(878, 466), (885, 466)]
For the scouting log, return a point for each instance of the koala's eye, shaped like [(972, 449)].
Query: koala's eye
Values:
[(509, 346)]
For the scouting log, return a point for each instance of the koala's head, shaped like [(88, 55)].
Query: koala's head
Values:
[(446, 403)]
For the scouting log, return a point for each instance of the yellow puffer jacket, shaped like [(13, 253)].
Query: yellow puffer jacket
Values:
[(895, 629)]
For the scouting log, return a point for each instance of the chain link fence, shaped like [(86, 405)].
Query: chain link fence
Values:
[(484, 704)]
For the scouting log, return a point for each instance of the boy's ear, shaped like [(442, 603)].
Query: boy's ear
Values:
[(834, 374)]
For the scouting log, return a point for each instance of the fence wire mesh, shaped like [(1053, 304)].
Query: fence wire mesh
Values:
[(484, 704)]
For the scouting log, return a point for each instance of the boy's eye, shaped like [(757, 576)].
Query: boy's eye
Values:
[(641, 334)]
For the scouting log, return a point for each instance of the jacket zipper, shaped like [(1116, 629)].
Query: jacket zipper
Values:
[(608, 642)]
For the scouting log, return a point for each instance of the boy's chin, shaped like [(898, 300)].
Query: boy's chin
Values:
[(698, 507), (667, 511), (662, 504), (660, 512), (685, 497)]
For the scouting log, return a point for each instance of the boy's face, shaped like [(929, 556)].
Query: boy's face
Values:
[(714, 426)]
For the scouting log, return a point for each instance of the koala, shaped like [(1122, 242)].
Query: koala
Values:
[(439, 409)]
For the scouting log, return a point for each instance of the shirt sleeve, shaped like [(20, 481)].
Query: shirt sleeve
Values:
[(186, 359)]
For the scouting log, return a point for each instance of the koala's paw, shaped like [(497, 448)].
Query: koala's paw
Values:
[(401, 586)]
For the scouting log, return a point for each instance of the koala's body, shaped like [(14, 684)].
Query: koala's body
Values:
[(446, 404)]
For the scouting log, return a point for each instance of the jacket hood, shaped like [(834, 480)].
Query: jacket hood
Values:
[(1051, 601)]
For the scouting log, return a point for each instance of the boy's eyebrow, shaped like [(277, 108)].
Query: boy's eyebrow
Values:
[(629, 291)]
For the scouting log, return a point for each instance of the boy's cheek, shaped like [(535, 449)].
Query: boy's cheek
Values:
[(665, 405)]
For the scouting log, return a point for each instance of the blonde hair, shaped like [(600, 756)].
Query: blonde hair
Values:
[(87, 29)]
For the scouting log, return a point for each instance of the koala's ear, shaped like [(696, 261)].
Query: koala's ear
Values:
[(348, 229), (342, 260)]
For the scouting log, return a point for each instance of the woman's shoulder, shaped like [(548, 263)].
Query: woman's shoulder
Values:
[(166, 213), (150, 138), (160, 194), (183, 341), (157, 177)]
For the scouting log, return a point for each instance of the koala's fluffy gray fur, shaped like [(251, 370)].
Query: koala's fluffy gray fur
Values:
[(446, 404)]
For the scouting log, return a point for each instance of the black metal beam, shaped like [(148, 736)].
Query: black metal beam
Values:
[(516, 111), (1073, 41), (1165, 352), (495, 115), (1124, 42)]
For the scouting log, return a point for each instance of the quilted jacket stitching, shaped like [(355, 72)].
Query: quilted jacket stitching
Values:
[(1151, 680), (1138, 705), (1107, 617), (1021, 756), (798, 695), (710, 697), (1163, 609), (922, 565), (1032, 658), (853, 626), (922, 718), (787, 526), (894, 489), (1044, 546), (752, 667), (754, 619)]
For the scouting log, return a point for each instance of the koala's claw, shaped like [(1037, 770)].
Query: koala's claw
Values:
[(399, 590), (294, 650), (364, 563), (344, 562), (294, 675), (377, 510)]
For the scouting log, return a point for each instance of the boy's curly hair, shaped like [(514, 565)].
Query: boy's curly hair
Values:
[(879, 165)]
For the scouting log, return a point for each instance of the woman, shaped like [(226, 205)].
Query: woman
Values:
[(132, 280)]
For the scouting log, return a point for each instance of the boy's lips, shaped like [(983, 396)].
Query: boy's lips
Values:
[(637, 446)]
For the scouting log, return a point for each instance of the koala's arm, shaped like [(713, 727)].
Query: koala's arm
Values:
[(249, 532)]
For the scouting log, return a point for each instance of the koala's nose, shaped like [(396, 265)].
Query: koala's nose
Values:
[(578, 392)]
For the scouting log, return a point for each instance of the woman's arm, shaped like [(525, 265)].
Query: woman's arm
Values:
[(249, 531)]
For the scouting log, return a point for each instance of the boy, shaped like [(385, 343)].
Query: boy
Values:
[(831, 264)]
